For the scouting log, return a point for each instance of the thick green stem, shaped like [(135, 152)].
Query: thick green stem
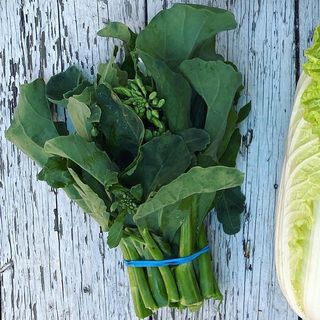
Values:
[(168, 278), (140, 276), (139, 307), (208, 284), (186, 278), (157, 284), (154, 277)]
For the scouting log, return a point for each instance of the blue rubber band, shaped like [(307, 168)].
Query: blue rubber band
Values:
[(166, 262)]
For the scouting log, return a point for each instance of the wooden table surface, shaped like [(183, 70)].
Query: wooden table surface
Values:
[(54, 263)]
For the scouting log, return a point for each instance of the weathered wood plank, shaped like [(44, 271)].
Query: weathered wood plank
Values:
[(263, 49), (61, 267), (307, 20), (27, 236)]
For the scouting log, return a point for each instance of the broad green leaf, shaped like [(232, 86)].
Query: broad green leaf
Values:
[(197, 205), (230, 128), (86, 155), (162, 160), (61, 83), (122, 128), (173, 45), (168, 220), (116, 231), (174, 34), (207, 51), (80, 113), (230, 205), (55, 173), (244, 112), (116, 30), (95, 205), (93, 183), (195, 139), (198, 111), (32, 124), (218, 83), (153, 214), (204, 202)]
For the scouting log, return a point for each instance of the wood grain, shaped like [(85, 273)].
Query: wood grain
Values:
[(61, 268), (54, 263)]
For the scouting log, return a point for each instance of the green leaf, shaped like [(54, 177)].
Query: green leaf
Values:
[(55, 173), (86, 155), (244, 112), (153, 214), (163, 51), (195, 139), (230, 128), (204, 202), (74, 195), (162, 160), (111, 74), (93, 183), (79, 113), (137, 192), (87, 96), (77, 90), (198, 111), (122, 128), (218, 83), (230, 205), (229, 157), (95, 114), (168, 220), (116, 231), (174, 34), (174, 89), (116, 30), (32, 124), (120, 31), (207, 51), (95, 205), (61, 83)]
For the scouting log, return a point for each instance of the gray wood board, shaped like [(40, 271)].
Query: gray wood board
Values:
[(54, 263)]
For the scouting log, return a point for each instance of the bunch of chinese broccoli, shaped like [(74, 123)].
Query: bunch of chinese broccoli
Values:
[(150, 148)]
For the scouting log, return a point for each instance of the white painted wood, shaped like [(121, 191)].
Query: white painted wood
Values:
[(54, 263), (61, 268)]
